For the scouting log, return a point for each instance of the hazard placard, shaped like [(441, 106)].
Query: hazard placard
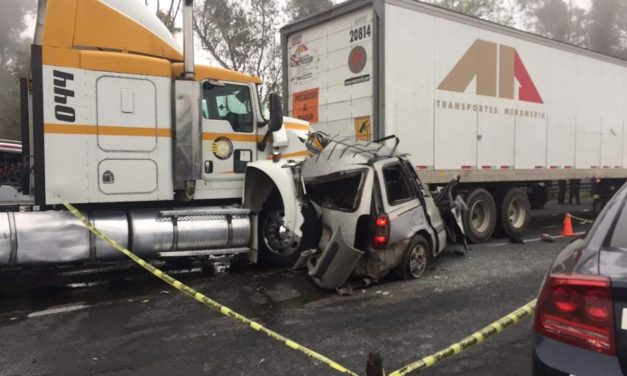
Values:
[(305, 105), (363, 128)]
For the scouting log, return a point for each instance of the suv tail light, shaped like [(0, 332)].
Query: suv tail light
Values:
[(381, 234), (577, 310)]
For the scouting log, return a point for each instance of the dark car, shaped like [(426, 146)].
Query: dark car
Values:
[(581, 316)]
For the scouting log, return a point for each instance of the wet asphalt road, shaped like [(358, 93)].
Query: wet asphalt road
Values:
[(139, 326)]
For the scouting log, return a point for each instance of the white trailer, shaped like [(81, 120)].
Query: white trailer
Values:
[(507, 110)]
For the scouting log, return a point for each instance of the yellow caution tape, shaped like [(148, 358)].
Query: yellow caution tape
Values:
[(206, 300), (582, 220), (473, 339)]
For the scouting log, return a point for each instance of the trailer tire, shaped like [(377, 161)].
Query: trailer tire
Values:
[(415, 259), (480, 218), (514, 212), (278, 246)]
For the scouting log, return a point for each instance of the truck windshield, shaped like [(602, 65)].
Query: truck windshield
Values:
[(339, 191)]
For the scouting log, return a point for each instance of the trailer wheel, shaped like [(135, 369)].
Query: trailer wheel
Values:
[(514, 212), (278, 245), (480, 218), (415, 259)]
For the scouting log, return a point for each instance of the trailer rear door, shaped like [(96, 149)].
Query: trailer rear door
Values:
[(330, 74)]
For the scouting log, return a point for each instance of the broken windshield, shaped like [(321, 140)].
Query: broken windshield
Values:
[(340, 191)]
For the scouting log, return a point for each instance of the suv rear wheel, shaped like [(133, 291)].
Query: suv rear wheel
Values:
[(415, 259)]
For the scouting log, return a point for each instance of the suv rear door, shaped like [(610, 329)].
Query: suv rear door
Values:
[(400, 201)]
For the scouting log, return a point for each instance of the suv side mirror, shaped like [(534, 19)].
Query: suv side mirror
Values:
[(276, 113)]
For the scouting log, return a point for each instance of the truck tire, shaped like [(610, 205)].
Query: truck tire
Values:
[(278, 245), (514, 212), (480, 218), (415, 259)]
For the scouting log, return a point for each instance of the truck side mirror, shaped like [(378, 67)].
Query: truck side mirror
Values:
[(276, 113)]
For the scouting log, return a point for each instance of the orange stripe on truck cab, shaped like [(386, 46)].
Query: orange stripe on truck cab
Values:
[(237, 137), (297, 127), (106, 130), (106, 61)]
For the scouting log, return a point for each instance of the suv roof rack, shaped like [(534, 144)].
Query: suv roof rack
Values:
[(357, 147)]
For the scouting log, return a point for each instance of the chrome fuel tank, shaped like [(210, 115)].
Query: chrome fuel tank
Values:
[(115, 226), (57, 237), (150, 233)]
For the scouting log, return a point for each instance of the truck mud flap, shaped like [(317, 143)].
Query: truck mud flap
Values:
[(335, 264)]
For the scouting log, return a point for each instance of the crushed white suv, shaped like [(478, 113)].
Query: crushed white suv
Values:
[(376, 215)]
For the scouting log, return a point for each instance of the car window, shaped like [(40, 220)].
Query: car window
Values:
[(340, 191), (414, 175), (619, 235), (396, 184), (231, 103)]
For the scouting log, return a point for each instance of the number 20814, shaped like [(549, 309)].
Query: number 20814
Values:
[(360, 33)]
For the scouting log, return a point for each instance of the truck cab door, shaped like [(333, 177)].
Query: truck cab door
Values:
[(229, 130)]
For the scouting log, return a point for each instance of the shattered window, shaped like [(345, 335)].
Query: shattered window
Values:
[(396, 185), (340, 191)]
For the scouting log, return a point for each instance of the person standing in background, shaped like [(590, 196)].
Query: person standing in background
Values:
[(574, 191), (596, 194), (561, 192)]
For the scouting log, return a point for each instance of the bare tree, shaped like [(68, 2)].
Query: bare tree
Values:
[(497, 11), (14, 63), (605, 26), (242, 36), (556, 19), (168, 13), (602, 28), (298, 9)]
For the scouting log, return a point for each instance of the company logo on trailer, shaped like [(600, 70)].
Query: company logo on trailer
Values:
[(496, 69), (301, 56)]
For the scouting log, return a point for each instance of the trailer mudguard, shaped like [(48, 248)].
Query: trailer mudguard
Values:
[(261, 178)]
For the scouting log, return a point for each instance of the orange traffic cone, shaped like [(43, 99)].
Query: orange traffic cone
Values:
[(567, 230)]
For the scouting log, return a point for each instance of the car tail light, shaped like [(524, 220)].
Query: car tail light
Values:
[(577, 310), (381, 231)]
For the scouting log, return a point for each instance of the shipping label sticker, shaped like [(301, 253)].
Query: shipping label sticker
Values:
[(363, 128), (305, 105)]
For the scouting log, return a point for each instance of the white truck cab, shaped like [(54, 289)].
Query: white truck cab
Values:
[(167, 157)]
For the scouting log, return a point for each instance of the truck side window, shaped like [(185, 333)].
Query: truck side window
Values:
[(231, 103), (397, 185)]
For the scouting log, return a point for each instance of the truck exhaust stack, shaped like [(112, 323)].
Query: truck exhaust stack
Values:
[(41, 16), (188, 40)]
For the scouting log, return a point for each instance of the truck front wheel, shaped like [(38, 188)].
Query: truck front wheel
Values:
[(278, 244), (480, 218)]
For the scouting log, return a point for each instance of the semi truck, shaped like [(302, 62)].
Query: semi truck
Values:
[(507, 110), (169, 158)]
